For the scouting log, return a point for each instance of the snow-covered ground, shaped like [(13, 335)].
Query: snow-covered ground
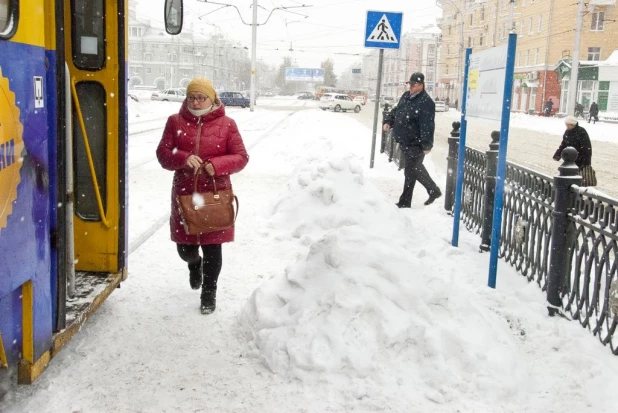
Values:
[(330, 300)]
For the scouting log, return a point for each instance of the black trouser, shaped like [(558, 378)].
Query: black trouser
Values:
[(593, 117), (415, 171), (211, 262)]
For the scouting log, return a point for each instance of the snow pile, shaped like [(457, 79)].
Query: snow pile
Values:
[(367, 304)]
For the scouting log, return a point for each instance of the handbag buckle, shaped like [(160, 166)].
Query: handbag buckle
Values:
[(216, 197)]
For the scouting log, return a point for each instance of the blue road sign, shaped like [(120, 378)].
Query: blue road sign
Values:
[(383, 29)]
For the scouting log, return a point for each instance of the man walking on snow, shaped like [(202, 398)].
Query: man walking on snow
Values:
[(412, 121)]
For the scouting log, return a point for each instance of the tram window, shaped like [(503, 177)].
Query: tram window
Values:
[(8, 18), (92, 104), (88, 34)]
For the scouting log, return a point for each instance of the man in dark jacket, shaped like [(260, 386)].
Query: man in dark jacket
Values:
[(577, 137), (412, 121)]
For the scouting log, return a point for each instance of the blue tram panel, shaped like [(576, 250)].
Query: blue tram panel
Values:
[(32, 176)]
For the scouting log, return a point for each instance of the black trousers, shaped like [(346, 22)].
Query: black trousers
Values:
[(211, 262), (415, 171)]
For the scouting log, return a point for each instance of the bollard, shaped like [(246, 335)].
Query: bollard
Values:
[(490, 190), (451, 173), (559, 261)]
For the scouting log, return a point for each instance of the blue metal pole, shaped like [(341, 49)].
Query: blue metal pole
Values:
[(504, 139), (462, 154)]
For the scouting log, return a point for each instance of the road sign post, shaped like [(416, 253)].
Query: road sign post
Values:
[(382, 31)]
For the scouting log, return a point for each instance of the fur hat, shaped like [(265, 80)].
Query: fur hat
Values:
[(204, 86), (570, 120)]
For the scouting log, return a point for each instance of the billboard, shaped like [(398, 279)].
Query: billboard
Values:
[(486, 83), (302, 74)]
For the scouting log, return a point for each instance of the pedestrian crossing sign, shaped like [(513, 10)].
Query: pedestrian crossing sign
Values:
[(383, 29)]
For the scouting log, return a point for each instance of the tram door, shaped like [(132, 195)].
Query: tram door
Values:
[(95, 53)]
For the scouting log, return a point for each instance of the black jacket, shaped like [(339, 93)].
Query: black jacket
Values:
[(594, 109), (578, 139), (412, 121)]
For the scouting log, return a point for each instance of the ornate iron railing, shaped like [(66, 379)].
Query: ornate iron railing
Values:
[(590, 293), (473, 190), (526, 222)]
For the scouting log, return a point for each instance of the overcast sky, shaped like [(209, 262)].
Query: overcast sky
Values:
[(331, 28)]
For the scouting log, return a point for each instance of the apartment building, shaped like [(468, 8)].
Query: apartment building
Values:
[(158, 60), (545, 42)]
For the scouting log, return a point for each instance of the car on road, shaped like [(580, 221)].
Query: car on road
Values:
[(360, 99), (441, 106), (304, 95), (338, 103), (169, 95), (234, 99)]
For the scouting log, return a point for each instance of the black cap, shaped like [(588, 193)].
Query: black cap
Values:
[(417, 77)]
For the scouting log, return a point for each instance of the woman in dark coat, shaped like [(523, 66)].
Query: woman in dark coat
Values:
[(201, 136), (577, 137)]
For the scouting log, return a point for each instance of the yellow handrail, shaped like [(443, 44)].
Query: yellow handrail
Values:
[(82, 125)]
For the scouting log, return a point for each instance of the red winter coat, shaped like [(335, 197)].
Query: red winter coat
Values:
[(220, 143)]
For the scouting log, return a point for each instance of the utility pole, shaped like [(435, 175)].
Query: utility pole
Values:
[(253, 46), (572, 97)]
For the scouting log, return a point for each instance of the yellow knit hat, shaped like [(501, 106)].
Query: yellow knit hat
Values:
[(204, 86)]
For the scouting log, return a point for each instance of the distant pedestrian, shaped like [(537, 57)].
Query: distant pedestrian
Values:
[(579, 110), (447, 100), (549, 105), (412, 121), (577, 137), (593, 112)]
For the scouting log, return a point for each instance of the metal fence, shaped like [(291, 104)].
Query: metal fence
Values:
[(553, 232)]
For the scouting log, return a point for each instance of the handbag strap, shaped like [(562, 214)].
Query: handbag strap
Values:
[(200, 170), (203, 166)]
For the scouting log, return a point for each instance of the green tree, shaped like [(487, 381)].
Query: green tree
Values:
[(330, 79)]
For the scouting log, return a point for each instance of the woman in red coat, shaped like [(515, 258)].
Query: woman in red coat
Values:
[(200, 135)]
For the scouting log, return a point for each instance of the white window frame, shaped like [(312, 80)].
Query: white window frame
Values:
[(540, 29), (598, 18), (594, 53), (531, 23)]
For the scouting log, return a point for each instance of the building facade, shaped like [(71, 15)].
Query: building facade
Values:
[(545, 36), (158, 60)]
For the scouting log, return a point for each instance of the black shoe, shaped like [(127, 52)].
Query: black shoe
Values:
[(433, 195), (401, 206), (209, 301), (195, 275)]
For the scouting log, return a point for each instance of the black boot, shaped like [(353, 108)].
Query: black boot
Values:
[(209, 301), (195, 275), (433, 195)]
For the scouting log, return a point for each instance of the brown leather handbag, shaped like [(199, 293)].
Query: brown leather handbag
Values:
[(204, 212)]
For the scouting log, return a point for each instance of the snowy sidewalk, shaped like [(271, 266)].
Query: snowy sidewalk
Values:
[(330, 300)]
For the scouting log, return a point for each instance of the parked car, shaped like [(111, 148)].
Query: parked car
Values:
[(338, 102), (387, 100), (441, 106), (305, 95), (169, 95), (360, 99), (234, 99)]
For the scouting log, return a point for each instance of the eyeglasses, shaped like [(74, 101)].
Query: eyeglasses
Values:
[(198, 98)]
